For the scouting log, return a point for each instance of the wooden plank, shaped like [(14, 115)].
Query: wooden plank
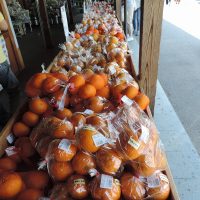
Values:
[(13, 47), (118, 9), (151, 24), (44, 23)]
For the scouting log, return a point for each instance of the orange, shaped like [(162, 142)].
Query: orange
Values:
[(113, 40), (74, 100), (96, 31), (110, 46), (42, 145), (83, 162), (51, 84), (76, 82), (64, 130), (120, 36), (95, 103), (10, 185), (104, 92), (60, 171), (78, 119), (162, 191), (61, 155), (99, 193), (58, 95), (108, 160), (95, 120), (129, 144), (15, 157), (132, 187), (87, 91), (88, 32), (30, 118), (7, 164), (104, 76), (61, 76), (25, 147), (85, 139), (97, 81), (117, 90), (31, 91), (131, 92), (30, 194), (38, 106), (35, 179), (87, 73), (77, 36), (63, 114), (20, 129), (77, 186), (38, 79), (142, 100)]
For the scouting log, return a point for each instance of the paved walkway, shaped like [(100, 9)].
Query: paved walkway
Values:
[(179, 69)]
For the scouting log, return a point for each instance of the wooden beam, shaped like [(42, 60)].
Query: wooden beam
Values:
[(150, 35), (44, 23), (118, 9)]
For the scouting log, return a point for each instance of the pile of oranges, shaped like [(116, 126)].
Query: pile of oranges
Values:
[(85, 134)]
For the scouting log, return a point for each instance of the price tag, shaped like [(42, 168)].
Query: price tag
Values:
[(10, 138), (64, 21), (112, 70), (10, 151), (99, 139), (126, 100), (64, 145), (153, 181), (134, 143), (106, 181), (145, 134), (79, 181), (88, 112)]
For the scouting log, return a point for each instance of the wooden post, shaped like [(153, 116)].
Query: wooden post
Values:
[(150, 35), (69, 5), (118, 9), (44, 23), (125, 17)]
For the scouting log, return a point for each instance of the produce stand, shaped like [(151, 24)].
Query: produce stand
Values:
[(8, 129)]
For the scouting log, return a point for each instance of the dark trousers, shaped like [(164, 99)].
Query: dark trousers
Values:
[(10, 96), (136, 20)]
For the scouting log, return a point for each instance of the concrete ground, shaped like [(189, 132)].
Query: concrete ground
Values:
[(179, 68)]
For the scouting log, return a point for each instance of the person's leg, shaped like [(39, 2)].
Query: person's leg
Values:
[(138, 20), (10, 84), (135, 22)]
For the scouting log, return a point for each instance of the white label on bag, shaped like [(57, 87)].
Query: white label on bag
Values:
[(112, 70), (88, 112), (106, 181), (164, 178), (64, 145), (10, 138), (134, 143), (153, 181), (145, 134), (99, 139), (126, 100), (10, 151), (92, 172), (79, 181)]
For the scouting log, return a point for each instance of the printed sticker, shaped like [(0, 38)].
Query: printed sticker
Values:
[(79, 181), (106, 181), (145, 134), (134, 143), (64, 145), (126, 100), (99, 139), (10, 150)]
